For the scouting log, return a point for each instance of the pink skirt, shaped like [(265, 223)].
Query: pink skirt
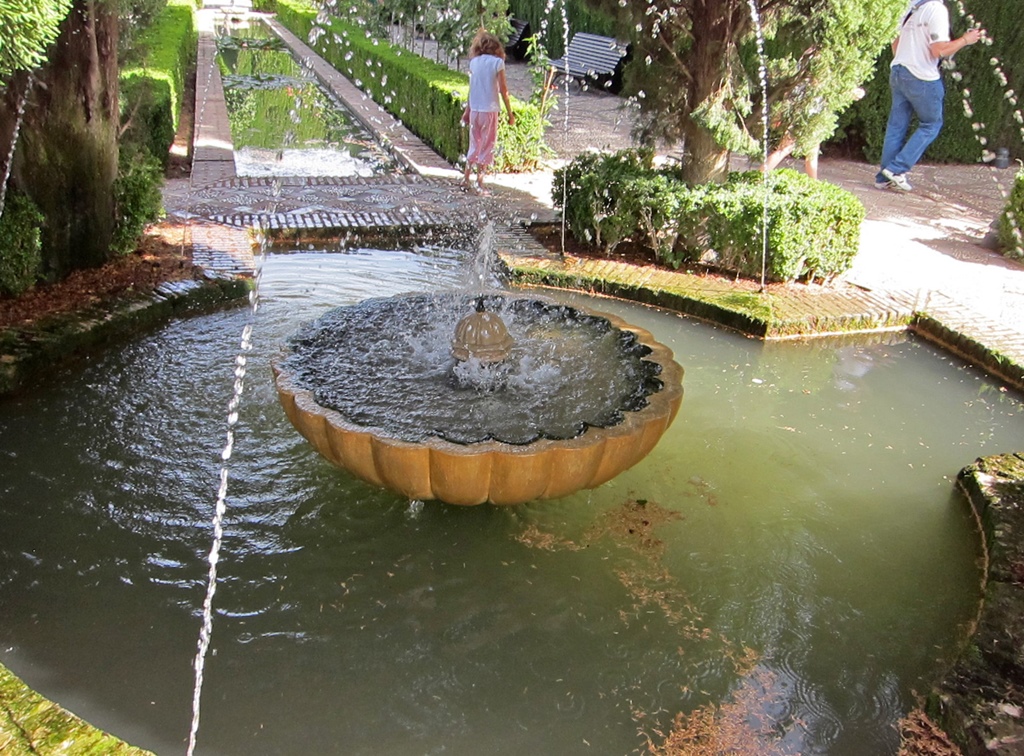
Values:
[(483, 131)]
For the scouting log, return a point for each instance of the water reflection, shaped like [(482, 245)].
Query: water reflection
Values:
[(794, 533), (283, 122)]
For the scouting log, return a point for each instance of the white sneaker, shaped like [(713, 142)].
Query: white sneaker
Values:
[(883, 184), (897, 180)]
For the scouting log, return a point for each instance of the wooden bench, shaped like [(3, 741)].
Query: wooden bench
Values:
[(591, 59), (518, 40)]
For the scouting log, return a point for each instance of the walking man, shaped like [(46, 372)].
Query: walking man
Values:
[(917, 89)]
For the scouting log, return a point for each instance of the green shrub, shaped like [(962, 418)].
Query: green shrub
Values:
[(425, 96), (21, 262), (591, 190), (137, 197), (813, 228), (1011, 239), (152, 90)]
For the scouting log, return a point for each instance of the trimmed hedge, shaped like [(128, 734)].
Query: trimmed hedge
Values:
[(425, 96), (543, 16), (152, 90), (813, 227)]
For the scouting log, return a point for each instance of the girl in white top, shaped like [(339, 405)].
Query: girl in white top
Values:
[(486, 84)]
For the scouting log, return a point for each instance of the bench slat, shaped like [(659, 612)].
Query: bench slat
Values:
[(590, 56)]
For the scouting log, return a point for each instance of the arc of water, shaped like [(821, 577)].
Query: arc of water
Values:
[(549, 11), (9, 162), (220, 508), (565, 116), (206, 629), (762, 72)]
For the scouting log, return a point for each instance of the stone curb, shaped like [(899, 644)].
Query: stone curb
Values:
[(30, 351), (784, 313), (30, 725), (984, 343), (980, 703)]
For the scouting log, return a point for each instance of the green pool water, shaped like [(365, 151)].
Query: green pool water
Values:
[(793, 553)]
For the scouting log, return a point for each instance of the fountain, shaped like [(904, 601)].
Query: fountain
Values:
[(812, 521), (557, 401), (808, 482)]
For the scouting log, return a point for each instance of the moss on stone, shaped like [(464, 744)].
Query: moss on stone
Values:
[(768, 315), (31, 350), (30, 724), (980, 703)]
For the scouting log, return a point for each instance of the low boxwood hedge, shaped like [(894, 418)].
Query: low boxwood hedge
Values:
[(813, 227), (426, 97)]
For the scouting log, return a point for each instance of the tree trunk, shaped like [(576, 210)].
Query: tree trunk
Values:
[(716, 28), (66, 159), (706, 160)]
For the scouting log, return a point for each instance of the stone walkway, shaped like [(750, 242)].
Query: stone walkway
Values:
[(927, 251)]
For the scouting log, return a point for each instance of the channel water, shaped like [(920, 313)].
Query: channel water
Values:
[(283, 122), (794, 545)]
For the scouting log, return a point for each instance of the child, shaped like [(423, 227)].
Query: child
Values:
[(486, 83)]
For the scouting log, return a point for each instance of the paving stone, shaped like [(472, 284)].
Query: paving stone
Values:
[(419, 202)]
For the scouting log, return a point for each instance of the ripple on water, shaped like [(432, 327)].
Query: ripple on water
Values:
[(464, 631)]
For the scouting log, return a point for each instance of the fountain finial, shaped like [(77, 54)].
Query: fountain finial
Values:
[(481, 335)]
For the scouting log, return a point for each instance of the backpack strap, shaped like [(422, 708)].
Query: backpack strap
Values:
[(914, 10)]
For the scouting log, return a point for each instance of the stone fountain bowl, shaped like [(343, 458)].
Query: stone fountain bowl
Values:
[(488, 470)]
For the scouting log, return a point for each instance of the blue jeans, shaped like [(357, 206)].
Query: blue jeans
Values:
[(910, 96)]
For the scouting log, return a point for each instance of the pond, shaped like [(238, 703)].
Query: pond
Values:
[(283, 122), (793, 551)]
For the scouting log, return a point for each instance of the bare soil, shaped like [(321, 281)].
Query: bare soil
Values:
[(627, 252), (159, 258)]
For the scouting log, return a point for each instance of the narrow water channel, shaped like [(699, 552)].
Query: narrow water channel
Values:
[(283, 122), (794, 547)]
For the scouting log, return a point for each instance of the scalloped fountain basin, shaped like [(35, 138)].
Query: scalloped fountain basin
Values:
[(582, 397)]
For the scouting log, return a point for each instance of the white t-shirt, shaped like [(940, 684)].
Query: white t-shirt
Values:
[(483, 83), (928, 23)]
